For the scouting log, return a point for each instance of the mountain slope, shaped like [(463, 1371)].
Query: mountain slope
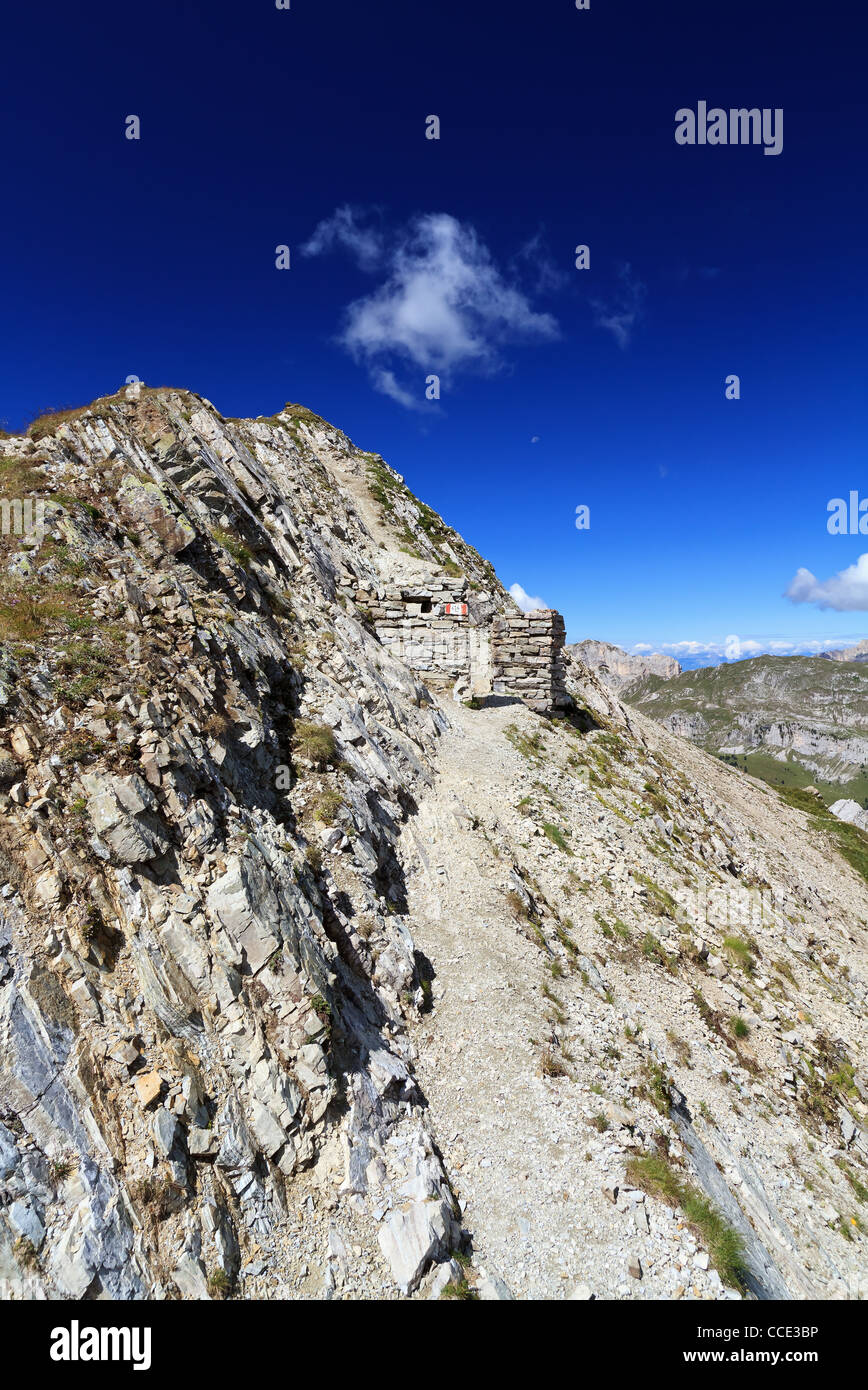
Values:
[(792, 720), (311, 982)]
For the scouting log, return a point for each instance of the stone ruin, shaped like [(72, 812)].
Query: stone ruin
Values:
[(441, 629), (527, 658), (427, 625)]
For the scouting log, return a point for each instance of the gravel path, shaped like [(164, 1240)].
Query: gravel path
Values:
[(539, 1160), (521, 1148)]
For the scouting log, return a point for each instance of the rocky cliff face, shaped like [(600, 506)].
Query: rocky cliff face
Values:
[(315, 983), (618, 669), (859, 652)]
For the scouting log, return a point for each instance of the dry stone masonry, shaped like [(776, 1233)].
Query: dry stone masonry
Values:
[(527, 658), (430, 624), (424, 623)]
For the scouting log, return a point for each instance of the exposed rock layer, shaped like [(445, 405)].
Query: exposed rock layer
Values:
[(308, 980)]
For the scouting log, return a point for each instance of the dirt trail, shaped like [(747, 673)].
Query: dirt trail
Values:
[(522, 1150)]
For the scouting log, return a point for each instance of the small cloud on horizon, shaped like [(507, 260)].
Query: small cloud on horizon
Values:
[(524, 600), (734, 648)]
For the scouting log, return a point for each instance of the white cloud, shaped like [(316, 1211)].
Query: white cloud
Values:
[(443, 306), (524, 600), (846, 592), (688, 648), (739, 649), (535, 258), (624, 310), (343, 230), (385, 381)]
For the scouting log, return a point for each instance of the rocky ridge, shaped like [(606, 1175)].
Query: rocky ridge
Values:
[(858, 652), (316, 983)]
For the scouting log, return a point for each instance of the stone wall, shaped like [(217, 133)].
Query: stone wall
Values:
[(426, 624), (527, 658), (430, 624)]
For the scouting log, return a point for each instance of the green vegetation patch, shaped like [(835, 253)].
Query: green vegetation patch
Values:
[(316, 742), (557, 837), (530, 746), (236, 548), (661, 903), (654, 1175), (851, 842)]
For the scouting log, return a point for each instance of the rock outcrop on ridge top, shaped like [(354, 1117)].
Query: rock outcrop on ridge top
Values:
[(619, 669), (316, 982)]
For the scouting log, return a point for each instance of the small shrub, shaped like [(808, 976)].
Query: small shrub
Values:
[(859, 1188), (79, 747), (460, 1290), (219, 1284), (556, 835), (217, 725), (655, 1088), (517, 906), (652, 950), (236, 548), (739, 952), (316, 742), (556, 1013), (551, 1065), (26, 1253), (156, 1196)]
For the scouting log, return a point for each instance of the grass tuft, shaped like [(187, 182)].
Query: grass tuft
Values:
[(316, 742), (654, 1175)]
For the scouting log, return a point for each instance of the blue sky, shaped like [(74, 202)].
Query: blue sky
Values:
[(559, 387)]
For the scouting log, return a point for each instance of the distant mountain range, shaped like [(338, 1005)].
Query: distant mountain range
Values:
[(791, 720), (857, 653), (618, 669)]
